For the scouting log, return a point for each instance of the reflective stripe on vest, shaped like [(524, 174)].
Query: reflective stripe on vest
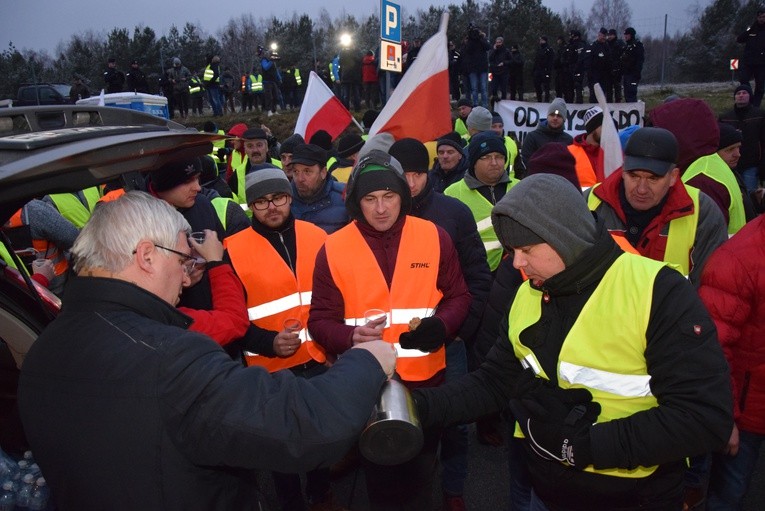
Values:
[(208, 76), (716, 169), (585, 172), (277, 294), (605, 357), (71, 208), (481, 209), (257, 83), (680, 237), (412, 291)]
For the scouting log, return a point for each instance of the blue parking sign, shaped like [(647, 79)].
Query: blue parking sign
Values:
[(390, 21)]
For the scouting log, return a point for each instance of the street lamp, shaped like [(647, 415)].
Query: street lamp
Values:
[(274, 47), (345, 40)]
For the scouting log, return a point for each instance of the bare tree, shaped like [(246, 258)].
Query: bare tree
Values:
[(616, 14), (573, 19)]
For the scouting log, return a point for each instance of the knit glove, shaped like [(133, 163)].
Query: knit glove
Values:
[(428, 336)]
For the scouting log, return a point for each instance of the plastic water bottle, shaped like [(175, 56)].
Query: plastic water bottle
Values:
[(24, 495), (40, 495), (7, 497)]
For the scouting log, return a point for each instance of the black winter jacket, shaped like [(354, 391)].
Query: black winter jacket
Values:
[(126, 409), (689, 377), (457, 220), (750, 121)]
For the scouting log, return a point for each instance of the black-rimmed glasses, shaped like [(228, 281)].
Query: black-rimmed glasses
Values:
[(263, 203), (188, 262)]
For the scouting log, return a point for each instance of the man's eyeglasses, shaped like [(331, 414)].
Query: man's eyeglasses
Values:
[(188, 262), (493, 157), (262, 203)]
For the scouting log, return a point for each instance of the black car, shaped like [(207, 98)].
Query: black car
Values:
[(42, 94), (63, 149)]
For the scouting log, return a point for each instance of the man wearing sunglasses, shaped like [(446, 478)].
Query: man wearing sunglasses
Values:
[(161, 416)]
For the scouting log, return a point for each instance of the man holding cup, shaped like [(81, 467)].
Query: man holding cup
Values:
[(278, 300), (408, 268)]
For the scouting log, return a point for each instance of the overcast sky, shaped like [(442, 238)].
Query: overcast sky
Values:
[(43, 24)]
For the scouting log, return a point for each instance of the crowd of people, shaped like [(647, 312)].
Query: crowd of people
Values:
[(241, 311)]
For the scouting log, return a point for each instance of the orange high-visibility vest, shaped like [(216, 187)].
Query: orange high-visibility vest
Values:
[(584, 170), (113, 195), (412, 293), (51, 251), (274, 293)]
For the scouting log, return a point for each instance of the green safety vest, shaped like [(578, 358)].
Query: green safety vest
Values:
[(461, 128), (6, 256), (257, 83), (196, 87), (606, 357), (681, 235), (70, 207), (297, 77), (715, 168), (209, 73), (512, 152), (481, 209)]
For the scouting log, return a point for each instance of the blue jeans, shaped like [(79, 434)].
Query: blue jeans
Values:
[(751, 178), (479, 85), (215, 97), (454, 439), (520, 479), (731, 475)]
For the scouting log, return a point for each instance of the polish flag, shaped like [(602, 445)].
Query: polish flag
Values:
[(321, 110), (419, 107), (613, 158)]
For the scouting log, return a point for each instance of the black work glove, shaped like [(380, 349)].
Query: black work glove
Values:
[(555, 421), (544, 400), (428, 336), (567, 441)]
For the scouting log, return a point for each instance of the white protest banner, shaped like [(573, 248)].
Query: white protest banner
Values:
[(521, 117)]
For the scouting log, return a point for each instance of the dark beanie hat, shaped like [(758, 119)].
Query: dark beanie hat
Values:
[(729, 135), (289, 144), (545, 208), (745, 87), (484, 143), (322, 139), (630, 31), (464, 102), (593, 118), (377, 170), (451, 139), (209, 169), (349, 144), (411, 154), (174, 173), (556, 159), (261, 182)]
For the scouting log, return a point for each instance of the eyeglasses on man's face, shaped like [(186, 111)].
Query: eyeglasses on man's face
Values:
[(188, 262), (262, 203)]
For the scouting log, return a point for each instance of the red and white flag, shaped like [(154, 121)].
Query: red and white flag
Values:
[(613, 159), (321, 110), (419, 107)]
